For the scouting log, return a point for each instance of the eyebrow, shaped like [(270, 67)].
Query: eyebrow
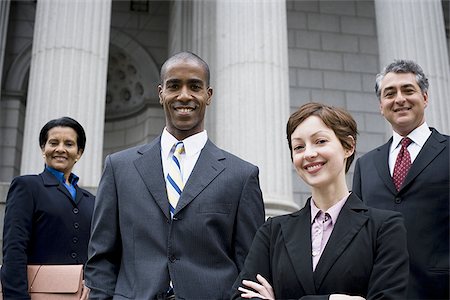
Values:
[(174, 80), (407, 85), (314, 134)]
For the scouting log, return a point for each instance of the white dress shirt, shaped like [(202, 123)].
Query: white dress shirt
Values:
[(418, 136), (193, 145)]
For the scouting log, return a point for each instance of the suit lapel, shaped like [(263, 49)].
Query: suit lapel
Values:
[(152, 174), (349, 223), (381, 160), (50, 180), (432, 147), (207, 168), (295, 230)]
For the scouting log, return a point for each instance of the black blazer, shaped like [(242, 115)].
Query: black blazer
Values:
[(43, 225), (366, 255), (424, 202)]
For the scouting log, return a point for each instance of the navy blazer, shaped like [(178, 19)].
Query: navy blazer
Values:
[(43, 225), (365, 256), (136, 247), (424, 202)]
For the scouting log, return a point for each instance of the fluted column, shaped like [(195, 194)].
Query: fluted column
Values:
[(68, 78), (192, 28), (252, 92), (4, 17), (415, 30)]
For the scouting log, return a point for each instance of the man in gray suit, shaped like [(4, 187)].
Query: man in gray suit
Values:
[(142, 246)]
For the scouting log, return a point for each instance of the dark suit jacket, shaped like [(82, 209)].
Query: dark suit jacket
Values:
[(366, 255), (424, 202), (43, 225), (135, 245)]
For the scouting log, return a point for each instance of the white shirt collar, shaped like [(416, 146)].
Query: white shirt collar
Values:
[(419, 136), (192, 145)]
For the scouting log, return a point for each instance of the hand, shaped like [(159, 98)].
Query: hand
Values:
[(85, 292), (345, 297), (262, 290)]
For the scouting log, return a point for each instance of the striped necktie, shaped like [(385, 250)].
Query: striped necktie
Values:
[(174, 182)]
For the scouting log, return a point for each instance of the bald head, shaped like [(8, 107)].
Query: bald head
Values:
[(184, 56)]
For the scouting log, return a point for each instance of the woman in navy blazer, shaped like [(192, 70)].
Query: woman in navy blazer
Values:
[(335, 247), (47, 216)]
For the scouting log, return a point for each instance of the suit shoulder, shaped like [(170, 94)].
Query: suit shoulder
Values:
[(125, 153), (370, 154), (287, 217), (237, 160), (26, 179), (133, 152), (439, 135)]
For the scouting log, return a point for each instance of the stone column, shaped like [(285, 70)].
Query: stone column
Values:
[(245, 45), (68, 78), (415, 30), (192, 28), (252, 92), (4, 18)]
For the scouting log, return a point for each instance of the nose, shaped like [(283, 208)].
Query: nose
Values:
[(310, 153), (184, 94), (60, 148), (400, 97)]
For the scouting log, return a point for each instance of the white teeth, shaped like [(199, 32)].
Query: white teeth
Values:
[(314, 167), (184, 109)]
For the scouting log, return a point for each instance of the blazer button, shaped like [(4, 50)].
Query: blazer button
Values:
[(398, 200), (74, 240), (75, 210), (172, 258), (76, 225), (73, 255)]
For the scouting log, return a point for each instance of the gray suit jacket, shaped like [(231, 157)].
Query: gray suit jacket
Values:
[(135, 247), (424, 202)]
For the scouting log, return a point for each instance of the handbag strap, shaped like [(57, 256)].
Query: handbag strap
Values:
[(35, 275)]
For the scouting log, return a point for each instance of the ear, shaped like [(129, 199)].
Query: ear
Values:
[(210, 93), (381, 107), (160, 89), (425, 99), (80, 153), (351, 141)]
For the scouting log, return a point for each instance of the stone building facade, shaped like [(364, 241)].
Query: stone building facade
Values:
[(98, 61)]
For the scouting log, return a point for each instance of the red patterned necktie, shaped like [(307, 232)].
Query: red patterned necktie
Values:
[(402, 164)]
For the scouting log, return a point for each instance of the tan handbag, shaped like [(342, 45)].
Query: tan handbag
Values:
[(54, 282)]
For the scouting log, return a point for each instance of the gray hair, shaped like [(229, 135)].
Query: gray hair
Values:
[(402, 66)]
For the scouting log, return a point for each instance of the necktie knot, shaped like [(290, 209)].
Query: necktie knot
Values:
[(405, 142), (179, 147)]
